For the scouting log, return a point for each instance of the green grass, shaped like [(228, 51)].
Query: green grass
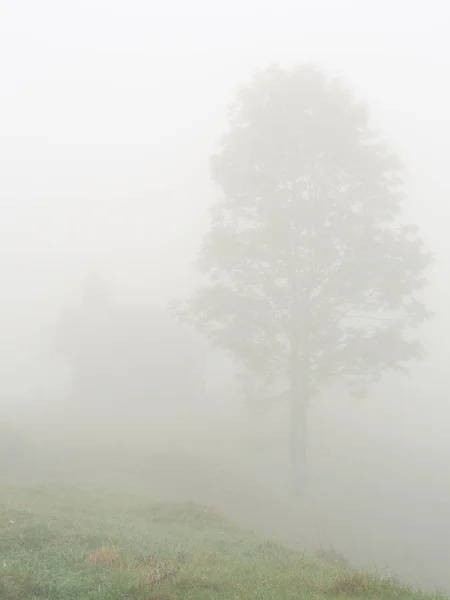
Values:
[(69, 544)]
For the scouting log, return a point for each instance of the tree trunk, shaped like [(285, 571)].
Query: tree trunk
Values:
[(298, 444), (299, 402)]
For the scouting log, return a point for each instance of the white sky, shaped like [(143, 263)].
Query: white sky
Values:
[(110, 109)]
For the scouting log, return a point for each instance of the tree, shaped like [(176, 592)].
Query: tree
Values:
[(311, 274), (124, 356)]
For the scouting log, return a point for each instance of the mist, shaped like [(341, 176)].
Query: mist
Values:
[(110, 113)]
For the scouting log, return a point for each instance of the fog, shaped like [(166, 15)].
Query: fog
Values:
[(110, 112)]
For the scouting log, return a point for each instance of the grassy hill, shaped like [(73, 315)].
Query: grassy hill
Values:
[(63, 543)]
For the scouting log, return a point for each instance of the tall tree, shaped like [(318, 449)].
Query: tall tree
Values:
[(311, 274)]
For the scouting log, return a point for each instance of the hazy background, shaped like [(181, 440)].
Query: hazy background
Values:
[(109, 112)]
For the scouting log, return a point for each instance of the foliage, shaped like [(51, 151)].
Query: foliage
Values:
[(311, 273)]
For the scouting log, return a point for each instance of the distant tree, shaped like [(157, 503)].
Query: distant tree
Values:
[(125, 356), (311, 274)]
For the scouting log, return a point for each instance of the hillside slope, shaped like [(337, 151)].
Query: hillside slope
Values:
[(62, 542)]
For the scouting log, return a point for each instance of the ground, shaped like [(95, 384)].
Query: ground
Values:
[(60, 542)]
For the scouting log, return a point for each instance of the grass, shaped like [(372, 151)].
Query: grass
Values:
[(61, 543)]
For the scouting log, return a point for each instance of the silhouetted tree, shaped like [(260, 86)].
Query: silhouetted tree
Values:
[(125, 356), (312, 276)]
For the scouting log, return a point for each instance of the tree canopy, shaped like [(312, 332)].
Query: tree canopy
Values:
[(312, 275)]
